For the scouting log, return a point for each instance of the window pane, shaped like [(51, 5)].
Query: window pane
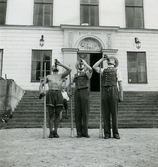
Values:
[(132, 68), (137, 67), (129, 12), (94, 16), (46, 1), (47, 65), (37, 75), (138, 12), (134, 15), (2, 13), (84, 1), (43, 13), (36, 56), (129, 3), (48, 53), (84, 14), (38, 14), (138, 2), (47, 14), (142, 67), (130, 17), (36, 65), (39, 57), (134, 3), (138, 23), (94, 1)]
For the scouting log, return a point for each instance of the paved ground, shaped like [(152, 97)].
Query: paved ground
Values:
[(27, 148)]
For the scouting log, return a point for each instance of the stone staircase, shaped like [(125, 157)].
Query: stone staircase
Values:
[(138, 110)]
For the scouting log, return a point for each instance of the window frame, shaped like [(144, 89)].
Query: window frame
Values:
[(1, 64), (128, 66), (41, 63), (89, 4), (43, 6), (134, 7), (4, 1)]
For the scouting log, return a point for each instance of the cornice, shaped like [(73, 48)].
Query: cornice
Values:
[(83, 27), (23, 27)]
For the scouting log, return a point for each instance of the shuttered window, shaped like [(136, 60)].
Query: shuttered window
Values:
[(3, 6), (39, 57), (137, 71), (134, 14), (43, 12), (89, 12)]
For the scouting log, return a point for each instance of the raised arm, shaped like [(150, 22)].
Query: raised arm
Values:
[(89, 70), (97, 64), (88, 67), (65, 73)]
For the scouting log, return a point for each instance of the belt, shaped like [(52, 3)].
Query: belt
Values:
[(79, 88), (54, 90), (108, 86)]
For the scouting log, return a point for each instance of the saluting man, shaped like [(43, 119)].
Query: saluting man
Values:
[(81, 97), (110, 94)]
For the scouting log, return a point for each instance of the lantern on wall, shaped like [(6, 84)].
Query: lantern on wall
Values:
[(41, 41), (137, 42)]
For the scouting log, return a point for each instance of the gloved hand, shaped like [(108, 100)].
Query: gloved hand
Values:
[(41, 95)]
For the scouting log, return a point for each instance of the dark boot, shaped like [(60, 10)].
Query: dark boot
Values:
[(56, 134), (51, 135)]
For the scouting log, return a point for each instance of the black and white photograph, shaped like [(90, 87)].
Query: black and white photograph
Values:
[(78, 83)]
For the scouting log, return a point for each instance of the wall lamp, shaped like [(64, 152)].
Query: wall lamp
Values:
[(137, 42), (41, 41)]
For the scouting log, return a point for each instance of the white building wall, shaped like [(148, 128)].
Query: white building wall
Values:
[(18, 44), (20, 12), (66, 12), (112, 13), (125, 42), (150, 14)]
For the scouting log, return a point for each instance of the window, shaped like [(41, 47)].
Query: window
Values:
[(3, 6), (39, 57), (137, 72), (89, 12), (43, 11), (1, 61), (134, 14)]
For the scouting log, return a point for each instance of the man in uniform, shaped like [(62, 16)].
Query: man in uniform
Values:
[(81, 97), (54, 99), (110, 94)]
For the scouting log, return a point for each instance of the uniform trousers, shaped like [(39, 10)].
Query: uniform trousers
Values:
[(81, 99), (110, 109)]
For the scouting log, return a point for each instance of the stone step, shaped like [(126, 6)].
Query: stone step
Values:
[(138, 110)]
